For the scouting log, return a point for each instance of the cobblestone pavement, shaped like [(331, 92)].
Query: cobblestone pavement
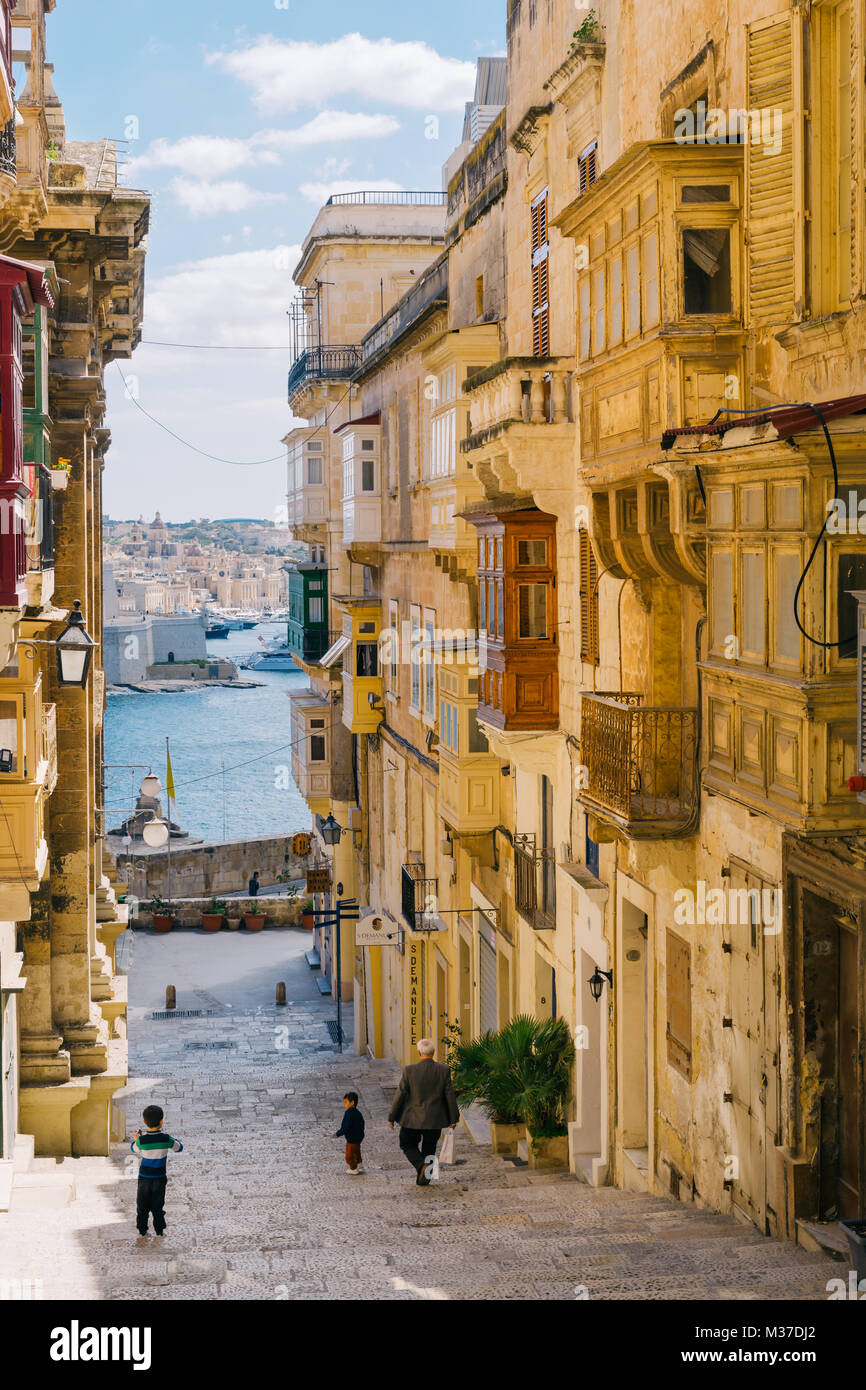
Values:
[(260, 1205)]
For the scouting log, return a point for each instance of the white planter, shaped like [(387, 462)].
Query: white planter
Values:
[(59, 479)]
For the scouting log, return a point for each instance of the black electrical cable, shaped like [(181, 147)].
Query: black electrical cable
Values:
[(803, 405)]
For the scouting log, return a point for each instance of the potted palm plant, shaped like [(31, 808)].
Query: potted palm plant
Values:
[(162, 915), (477, 1069), (539, 1083), (214, 917)]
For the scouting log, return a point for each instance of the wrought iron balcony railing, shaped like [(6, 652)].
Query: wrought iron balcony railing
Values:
[(420, 898), (534, 883), (324, 364), (640, 761), (8, 150)]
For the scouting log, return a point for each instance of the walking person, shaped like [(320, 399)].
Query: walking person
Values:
[(254, 885), (152, 1147), (424, 1104), (352, 1130)]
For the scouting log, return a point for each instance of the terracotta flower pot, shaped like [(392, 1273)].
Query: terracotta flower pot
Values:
[(163, 921), (212, 921), (254, 921), (308, 920)]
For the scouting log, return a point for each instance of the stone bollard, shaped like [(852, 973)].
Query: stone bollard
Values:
[(281, 993), (170, 997)]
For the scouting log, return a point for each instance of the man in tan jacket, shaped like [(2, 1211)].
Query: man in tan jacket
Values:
[(423, 1106)]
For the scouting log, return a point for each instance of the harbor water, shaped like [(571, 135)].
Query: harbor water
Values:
[(248, 732)]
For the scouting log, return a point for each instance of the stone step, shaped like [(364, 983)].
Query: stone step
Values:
[(42, 1191)]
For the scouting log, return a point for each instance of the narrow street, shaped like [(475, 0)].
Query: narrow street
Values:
[(260, 1205)]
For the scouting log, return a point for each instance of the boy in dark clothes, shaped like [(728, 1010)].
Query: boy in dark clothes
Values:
[(152, 1147), (352, 1130)]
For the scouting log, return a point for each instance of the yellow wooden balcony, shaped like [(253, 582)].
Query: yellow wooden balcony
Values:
[(363, 710), (469, 774)]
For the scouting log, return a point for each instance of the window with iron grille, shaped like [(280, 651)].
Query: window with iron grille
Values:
[(525, 877), (419, 896), (540, 278), (588, 593), (587, 167)]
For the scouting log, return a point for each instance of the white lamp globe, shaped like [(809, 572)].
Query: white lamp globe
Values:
[(155, 833)]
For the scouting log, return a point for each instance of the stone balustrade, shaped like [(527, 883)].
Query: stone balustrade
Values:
[(519, 391)]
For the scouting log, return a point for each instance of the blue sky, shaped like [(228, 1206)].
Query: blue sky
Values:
[(240, 130)]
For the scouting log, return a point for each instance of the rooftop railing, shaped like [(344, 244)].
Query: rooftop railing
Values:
[(389, 198)]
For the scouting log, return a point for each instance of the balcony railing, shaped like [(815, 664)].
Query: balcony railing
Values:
[(324, 364), (517, 391), (534, 883), (640, 761), (8, 151), (390, 198), (420, 898)]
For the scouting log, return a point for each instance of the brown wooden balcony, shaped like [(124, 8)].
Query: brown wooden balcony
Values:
[(640, 763)]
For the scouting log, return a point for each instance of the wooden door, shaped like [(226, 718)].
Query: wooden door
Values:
[(754, 1015), (849, 1070)]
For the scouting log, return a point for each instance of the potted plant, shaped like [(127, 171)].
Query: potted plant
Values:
[(254, 921), (60, 474), (162, 915), (477, 1069), (308, 919), (539, 1085), (214, 917), (233, 923)]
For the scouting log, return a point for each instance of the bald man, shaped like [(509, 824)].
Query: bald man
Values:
[(423, 1106)]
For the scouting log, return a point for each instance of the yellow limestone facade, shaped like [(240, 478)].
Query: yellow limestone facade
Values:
[(63, 1005), (664, 227)]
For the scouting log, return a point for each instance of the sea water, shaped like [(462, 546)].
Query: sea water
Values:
[(249, 731)]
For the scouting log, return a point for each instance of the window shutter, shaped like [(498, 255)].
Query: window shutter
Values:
[(540, 279), (587, 168), (588, 592), (773, 184), (679, 992)]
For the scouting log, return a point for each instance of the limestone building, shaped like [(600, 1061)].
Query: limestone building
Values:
[(73, 245), (615, 425)]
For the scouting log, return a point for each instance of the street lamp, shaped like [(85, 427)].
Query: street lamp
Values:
[(331, 830), (74, 650), (150, 786), (596, 982), (155, 833)]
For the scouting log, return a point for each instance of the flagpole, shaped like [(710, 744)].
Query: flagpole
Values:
[(168, 799)]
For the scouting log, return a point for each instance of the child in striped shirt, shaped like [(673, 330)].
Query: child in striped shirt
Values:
[(152, 1147)]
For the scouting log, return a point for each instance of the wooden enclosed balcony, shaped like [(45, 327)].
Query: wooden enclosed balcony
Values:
[(640, 763)]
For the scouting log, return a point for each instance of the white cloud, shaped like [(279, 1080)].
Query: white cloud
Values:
[(320, 192), (204, 199), (211, 156), (201, 155), (238, 299), (337, 126), (285, 75)]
